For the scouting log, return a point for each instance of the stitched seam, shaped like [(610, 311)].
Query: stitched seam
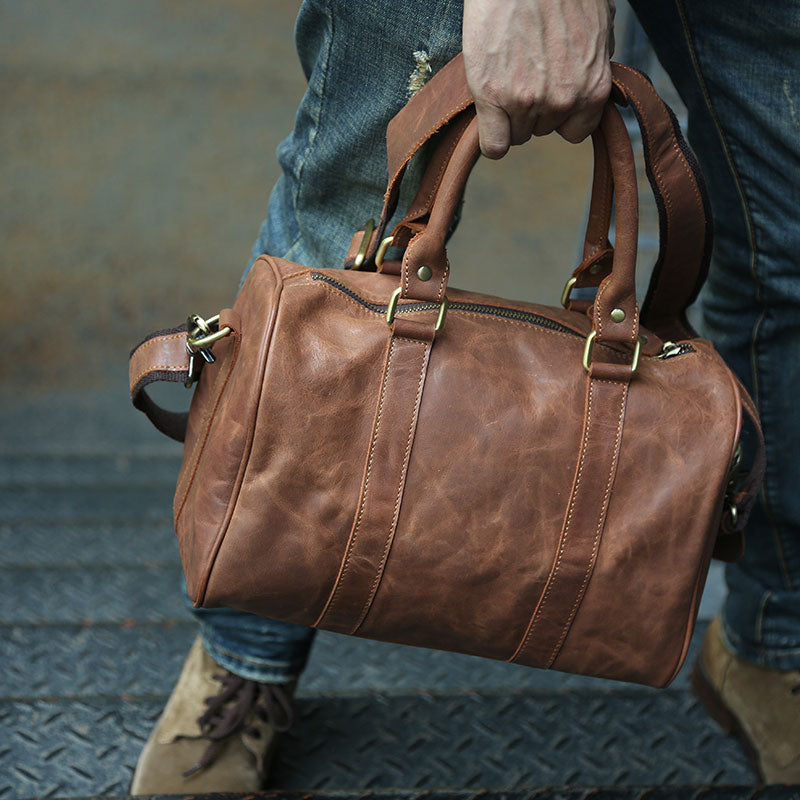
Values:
[(409, 339), (443, 281), (675, 147), (200, 444), (157, 368), (299, 272), (390, 537), (598, 531), (425, 204), (352, 542), (597, 304), (605, 208), (565, 536), (406, 268), (265, 357), (157, 341)]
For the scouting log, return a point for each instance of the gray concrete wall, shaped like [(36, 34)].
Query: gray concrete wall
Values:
[(137, 152)]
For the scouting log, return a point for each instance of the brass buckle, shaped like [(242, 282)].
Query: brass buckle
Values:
[(369, 228), (392, 308), (382, 248), (568, 286), (200, 336), (196, 325), (589, 346)]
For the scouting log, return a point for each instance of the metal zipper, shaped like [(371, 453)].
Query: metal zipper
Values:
[(478, 308), (669, 350)]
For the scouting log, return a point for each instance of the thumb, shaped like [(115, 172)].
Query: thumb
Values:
[(494, 129)]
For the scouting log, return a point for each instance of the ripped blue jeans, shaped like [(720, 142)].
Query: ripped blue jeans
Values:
[(734, 63)]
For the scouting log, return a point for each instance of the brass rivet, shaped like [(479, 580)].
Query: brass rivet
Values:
[(618, 315), (424, 273)]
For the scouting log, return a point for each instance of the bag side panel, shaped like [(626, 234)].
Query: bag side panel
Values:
[(219, 433), (301, 487)]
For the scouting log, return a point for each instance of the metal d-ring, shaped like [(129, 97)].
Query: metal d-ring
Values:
[(392, 308)]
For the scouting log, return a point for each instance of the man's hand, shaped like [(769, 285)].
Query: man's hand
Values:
[(536, 66)]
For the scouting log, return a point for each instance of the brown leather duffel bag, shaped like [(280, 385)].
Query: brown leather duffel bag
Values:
[(378, 454)]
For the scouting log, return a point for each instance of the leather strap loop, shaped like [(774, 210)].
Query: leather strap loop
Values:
[(382, 487), (583, 525), (162, 357)]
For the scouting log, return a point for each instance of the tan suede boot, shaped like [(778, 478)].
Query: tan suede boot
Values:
[(760, 705), (217, 732)]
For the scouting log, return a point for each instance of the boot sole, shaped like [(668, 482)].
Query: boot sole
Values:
[(715, 706)]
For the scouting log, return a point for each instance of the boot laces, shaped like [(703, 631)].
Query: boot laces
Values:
[(228, 712)]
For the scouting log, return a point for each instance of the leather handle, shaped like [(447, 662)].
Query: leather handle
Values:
[(442, 99), (617, 291), (684, 213)]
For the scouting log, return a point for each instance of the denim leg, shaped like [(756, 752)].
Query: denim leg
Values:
[(362, 61), (735, 64), (254, 647)]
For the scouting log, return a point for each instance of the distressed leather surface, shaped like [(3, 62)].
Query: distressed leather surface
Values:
[(473, 489)]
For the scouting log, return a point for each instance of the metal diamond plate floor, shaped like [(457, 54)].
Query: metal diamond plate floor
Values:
[(94, 633)]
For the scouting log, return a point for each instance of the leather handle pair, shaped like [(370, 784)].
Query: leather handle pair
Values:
[(683, 208), (427, 248)]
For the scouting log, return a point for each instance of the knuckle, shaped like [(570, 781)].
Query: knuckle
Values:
[(562, 101), (525, 99), (600, 90), (490, 92)]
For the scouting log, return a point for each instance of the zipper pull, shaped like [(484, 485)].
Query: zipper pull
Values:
[(670, 349)]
